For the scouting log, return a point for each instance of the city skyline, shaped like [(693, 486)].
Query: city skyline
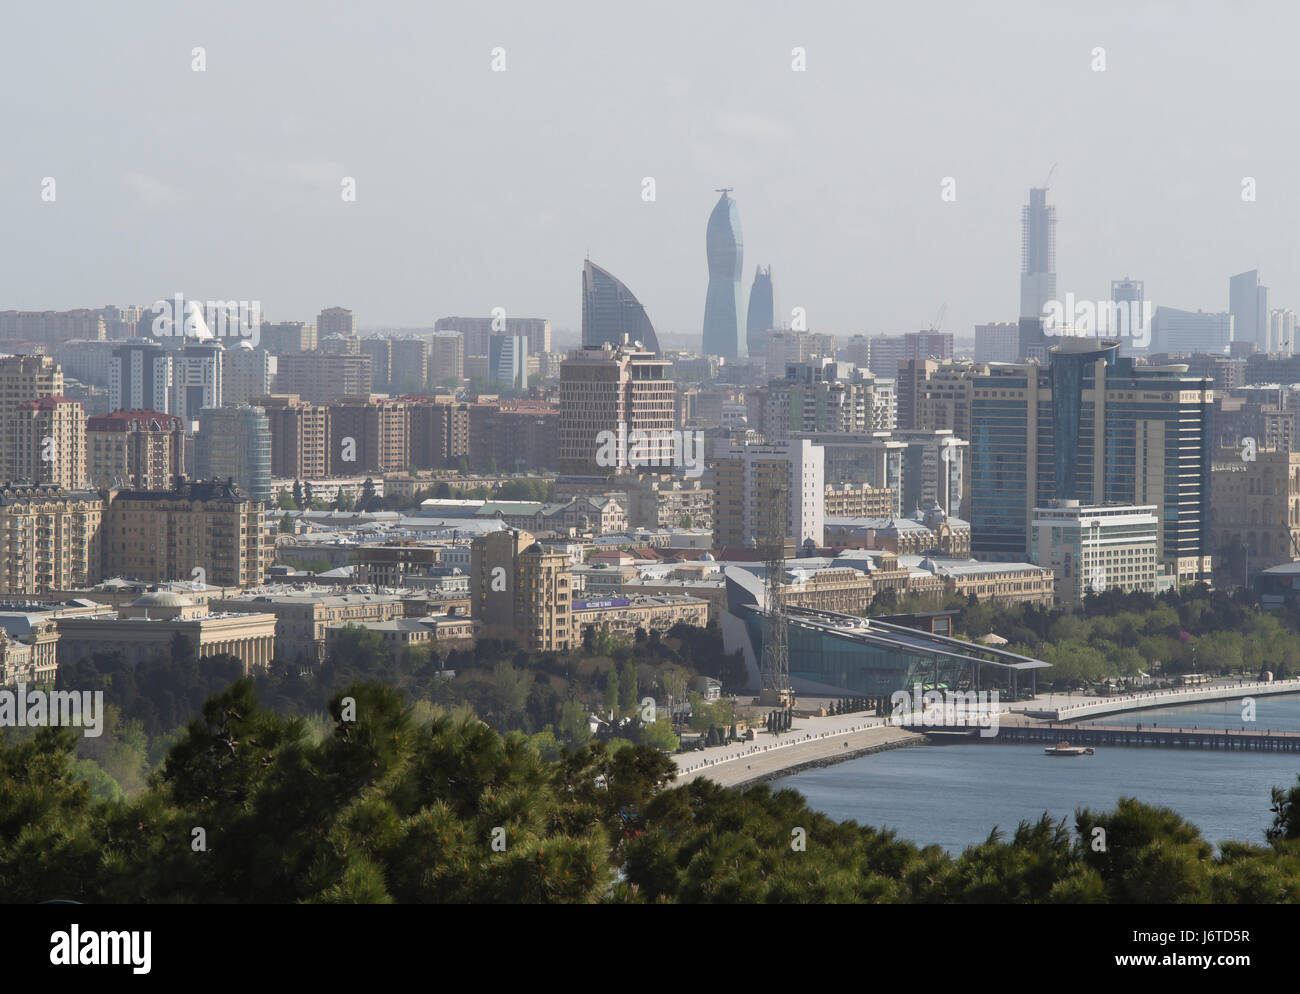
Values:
[(519, 222)]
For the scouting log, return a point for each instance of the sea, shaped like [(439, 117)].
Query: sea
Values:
[(954, 795)]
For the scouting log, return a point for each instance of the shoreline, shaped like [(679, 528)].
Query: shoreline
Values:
[(825, 749), (834, 760)]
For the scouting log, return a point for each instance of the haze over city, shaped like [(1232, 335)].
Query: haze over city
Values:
[(479, 188)]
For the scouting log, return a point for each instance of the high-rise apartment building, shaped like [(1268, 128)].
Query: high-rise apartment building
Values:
[(23, 378), (997, 342), (369, 435), (140, 377), (335, 321), (196, 380), (50, 440), (521, 591), (300, 437), (322, 379), (136, 450), (1097, 428), (410, 365), (617, 390), (440, 433), (913, 374), (1281, 332), (202, 531), (760, 491), (52, 327), (447, 359), (476, 331), (50, 538), (246, 372), (822, 395), (234, 443), (786, 347), (723, 307), (887, 352), (287, 336), (512, 436), (380, 351)]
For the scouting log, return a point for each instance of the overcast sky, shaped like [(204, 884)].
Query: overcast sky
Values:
[(477, 189)]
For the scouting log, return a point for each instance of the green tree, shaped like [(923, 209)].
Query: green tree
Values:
[(627, 689)]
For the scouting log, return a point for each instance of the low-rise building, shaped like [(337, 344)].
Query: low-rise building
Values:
[(156, 624)]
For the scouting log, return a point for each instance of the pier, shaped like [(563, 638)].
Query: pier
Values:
[(1050, 733), (1087, 708)]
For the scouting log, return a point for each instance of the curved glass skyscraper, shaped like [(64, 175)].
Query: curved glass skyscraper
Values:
[(759, 317), (722, 306), (610, 310)]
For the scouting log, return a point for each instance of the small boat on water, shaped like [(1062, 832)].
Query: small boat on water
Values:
[(1064, 748)]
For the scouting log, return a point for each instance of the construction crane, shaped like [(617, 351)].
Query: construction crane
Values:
[(938, 318), (1049, 175)]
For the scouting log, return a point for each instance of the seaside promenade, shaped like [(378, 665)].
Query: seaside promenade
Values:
[(819, 741)]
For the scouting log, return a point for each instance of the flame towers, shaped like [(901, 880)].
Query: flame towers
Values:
[(759, 319), (611, 312), (722, 306)]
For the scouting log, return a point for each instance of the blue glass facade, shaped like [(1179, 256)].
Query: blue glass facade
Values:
[(722, 305), (853, 665), (1036, 440), (610, 311), (760, 318)]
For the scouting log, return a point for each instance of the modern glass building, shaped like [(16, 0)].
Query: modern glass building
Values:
[(1093, 427), (760, 318), (235, 443), (722, 306), (841, 654), (611, 311)]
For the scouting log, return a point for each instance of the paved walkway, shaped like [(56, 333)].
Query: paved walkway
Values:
[(810, 742)]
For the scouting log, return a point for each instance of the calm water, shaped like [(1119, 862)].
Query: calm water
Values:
[(954, 794)]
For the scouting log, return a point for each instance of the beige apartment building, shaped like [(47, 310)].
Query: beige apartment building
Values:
[(858, 500), (23, 378), (137, 450), (607, 394), (1255, 509), (208, 532), (521, 591), (49, 436), (50, 538)]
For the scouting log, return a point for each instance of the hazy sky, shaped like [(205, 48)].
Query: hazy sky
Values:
[(478, 189)]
